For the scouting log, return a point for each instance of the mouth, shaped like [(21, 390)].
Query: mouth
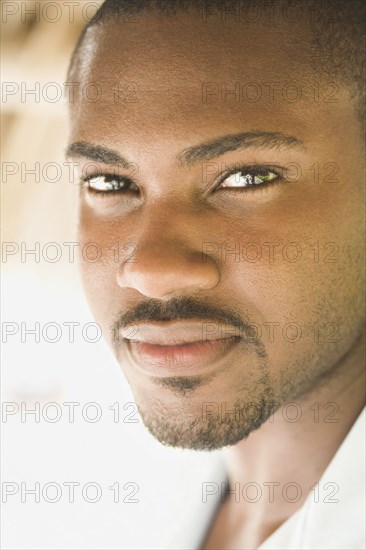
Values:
[(179, 348)]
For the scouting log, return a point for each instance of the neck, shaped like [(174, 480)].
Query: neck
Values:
[(294, 447)]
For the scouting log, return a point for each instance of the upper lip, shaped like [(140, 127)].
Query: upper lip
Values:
[(177, 332)]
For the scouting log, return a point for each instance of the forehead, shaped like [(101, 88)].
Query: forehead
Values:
[(166, 53), (160, 75), (188, 41)]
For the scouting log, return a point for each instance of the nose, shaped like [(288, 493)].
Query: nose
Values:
[(164, 264)]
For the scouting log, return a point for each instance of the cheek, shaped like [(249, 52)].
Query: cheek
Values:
[(98, 261), (301, 273)]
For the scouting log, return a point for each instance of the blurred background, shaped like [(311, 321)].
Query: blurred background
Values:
[(43, 367)]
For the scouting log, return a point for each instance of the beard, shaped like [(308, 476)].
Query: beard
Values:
[(207, 414), (208, 411), (211, 411), (206, 432), (188, 421)]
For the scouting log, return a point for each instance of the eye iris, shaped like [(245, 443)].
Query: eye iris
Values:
[(263, 177)]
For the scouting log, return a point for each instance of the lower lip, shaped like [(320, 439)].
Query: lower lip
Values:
[(180, 360)]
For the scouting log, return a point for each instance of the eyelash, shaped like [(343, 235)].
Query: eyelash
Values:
[(248, 168)]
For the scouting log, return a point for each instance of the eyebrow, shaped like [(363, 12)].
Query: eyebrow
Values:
[(236, 142), (190, 156), (97, 153)]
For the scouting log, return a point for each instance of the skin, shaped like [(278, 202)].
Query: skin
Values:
[(178, 208)]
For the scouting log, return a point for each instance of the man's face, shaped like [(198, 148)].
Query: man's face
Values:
[(251, 247)]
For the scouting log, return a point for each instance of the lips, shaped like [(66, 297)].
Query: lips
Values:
[(179, 348)]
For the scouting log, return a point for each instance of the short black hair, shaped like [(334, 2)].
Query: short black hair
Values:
[(338, 32)]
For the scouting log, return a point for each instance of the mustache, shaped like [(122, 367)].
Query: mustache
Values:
[(187, 308)]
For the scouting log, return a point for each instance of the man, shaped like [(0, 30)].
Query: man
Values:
[(221, 167)]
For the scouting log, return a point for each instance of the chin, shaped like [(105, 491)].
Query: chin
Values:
[(192, 431)]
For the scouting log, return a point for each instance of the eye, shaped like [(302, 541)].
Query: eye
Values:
[(108, 183), (250, 177)]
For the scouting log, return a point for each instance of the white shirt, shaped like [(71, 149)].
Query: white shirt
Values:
[(335, 520)]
